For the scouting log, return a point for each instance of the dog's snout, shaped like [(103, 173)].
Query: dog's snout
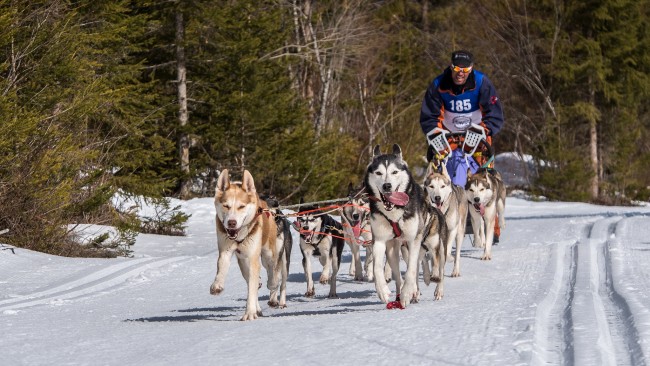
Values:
[(232, 224), (437, 198), (355, 216), (387, 187), (477, 199)]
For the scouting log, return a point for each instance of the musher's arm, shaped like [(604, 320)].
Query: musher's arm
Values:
[(490, 107), (432, 109)]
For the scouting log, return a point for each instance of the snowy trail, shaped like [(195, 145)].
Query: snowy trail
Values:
[(90, 284), (569, 284)]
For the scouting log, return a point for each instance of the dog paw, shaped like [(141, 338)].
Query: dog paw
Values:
[(282, 306), (332, 296), (486, 257), (216, 289), (435, 279), (358, 278), (250, 315), (384, 294), (324, 280), (455, 273), (438, 294), (408, 293), (273, 304), (310, 293)]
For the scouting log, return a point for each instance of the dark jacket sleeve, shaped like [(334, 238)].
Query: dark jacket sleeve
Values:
[(431, 109), (491, 107)]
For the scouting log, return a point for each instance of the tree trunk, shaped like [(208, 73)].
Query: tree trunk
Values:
[(183, 141), (593, 146)]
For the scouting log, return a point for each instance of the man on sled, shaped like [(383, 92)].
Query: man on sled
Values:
[(460, 113)]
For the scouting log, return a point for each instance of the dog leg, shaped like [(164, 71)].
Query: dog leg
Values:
[(250, 269), (435, 259), (409, 289), (223, 264), (392, 258), (334, 259), (459, 242), (489, 231), (272, 272), (326, 262), (426, 269), (283, 283), (477, 228), (368, 265), (306, 265), (439, 293), (357, 272), (378, 252)]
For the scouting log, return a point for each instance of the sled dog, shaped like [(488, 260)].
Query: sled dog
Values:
[(284, 227), (245, 229), (450, 200), (320, 236), (400, 213), (356, 225), (486, 193)]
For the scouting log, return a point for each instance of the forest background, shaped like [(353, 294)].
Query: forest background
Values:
[(155, 98)]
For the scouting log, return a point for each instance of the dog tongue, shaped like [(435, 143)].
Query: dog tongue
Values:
[(397, 198), (356, 229), (480, 208)]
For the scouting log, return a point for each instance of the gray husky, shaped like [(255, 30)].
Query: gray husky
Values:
[(400, 213), (355, 217), (450, 199), (486, 193)]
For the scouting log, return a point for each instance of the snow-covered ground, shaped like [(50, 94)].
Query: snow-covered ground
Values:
[(569, 284)]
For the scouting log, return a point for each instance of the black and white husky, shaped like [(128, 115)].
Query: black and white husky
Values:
[(320, 236), (400, 213)]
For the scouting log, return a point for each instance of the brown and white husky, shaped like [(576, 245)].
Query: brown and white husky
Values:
[(246, 229)]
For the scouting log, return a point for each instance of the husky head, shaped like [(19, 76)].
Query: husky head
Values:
[(388, 178), (355, 211), (236, 202), (438, 184), (479, 188), (310, 223)]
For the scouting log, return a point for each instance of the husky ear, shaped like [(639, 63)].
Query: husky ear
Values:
[(397, 151), (445, 172), (247, 183), (469, 173), (223, 182), (431, 167), (376, 151)]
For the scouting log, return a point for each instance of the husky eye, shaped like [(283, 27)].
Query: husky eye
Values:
[(226, 207), (241, 207), (378, 173), (395, 172)]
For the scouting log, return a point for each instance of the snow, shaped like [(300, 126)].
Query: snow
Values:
[(568, 284)]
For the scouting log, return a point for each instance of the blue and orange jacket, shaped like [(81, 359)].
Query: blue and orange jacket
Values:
[(476, 102)]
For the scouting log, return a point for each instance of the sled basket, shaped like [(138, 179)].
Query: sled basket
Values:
[(473, 138), (439, 143)]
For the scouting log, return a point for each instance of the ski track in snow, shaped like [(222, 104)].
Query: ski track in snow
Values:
[(595, 324), (91, 284)]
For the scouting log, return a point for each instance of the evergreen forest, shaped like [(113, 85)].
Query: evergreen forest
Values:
[(153, 99)]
